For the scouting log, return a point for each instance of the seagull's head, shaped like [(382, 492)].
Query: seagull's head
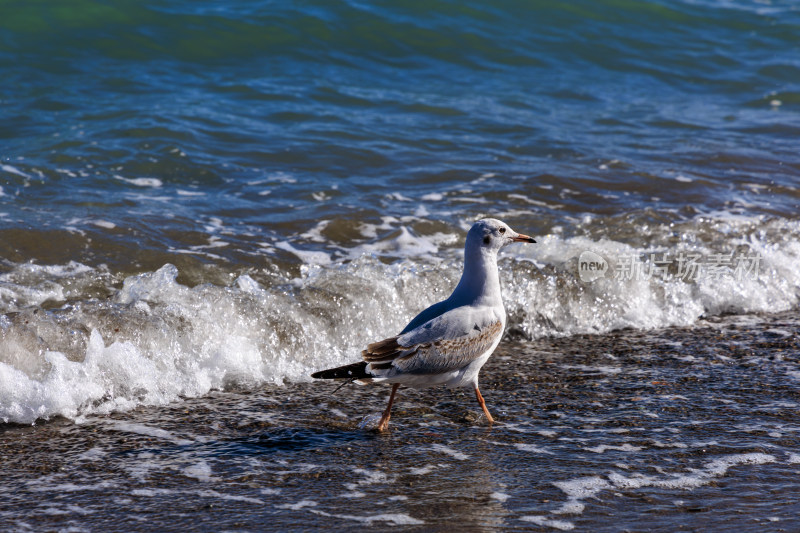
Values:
[(491, 234)]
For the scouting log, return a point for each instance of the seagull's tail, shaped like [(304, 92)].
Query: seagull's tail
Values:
[(354, 371)]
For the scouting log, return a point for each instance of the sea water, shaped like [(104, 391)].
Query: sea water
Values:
[(213, 199)]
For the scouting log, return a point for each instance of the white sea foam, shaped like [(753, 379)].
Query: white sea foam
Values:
[(433, 197), (402, 243), (450, 451), (183, 192), (13, 170), (397, 519), (149, 431), (599, 369), (370, 421), (302, 504), (232, 497), (578, 490), (104, 224), (200, 470), (371, 477), (141, 182), (649, 298), (156, 340), (50, 484), (531, 448), (585, 488), (561, 525), (92, 454), (622, 448), (140, 470), (694, 479), (29, 284), (152, 492), (310, 257), (422, 470)]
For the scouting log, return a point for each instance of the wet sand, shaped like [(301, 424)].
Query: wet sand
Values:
[(681, 429)]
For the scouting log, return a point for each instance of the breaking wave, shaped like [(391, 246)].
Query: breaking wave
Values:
[(68, 350)]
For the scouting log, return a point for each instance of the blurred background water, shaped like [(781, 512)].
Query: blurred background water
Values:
[(157, 130)]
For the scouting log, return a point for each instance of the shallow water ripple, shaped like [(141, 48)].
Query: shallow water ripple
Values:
[(666, 430)]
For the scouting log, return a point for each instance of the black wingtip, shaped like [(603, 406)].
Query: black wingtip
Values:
[(353, 371)]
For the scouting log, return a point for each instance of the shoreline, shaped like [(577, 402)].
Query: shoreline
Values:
[(656, 429)]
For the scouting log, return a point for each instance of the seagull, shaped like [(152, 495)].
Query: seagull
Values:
[(449, 342)]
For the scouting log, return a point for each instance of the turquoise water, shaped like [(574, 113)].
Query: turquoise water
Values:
[(206, 199)]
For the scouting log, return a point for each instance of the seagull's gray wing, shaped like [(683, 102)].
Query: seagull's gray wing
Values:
[(447, 343)]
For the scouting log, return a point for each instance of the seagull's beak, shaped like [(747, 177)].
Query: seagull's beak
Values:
[(522, 238)]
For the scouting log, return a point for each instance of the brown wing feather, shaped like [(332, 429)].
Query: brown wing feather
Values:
[(385, 350), (447, 355), (431, 358)]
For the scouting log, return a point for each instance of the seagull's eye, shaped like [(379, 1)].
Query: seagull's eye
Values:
[(502, 230)]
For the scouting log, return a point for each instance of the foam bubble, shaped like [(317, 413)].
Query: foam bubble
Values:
[(44, 485), (697, 478), (622, 448), (578, 490), (371, 477), (141, 182), (207, 493), (28, 285), (143, 429), (499, 496), (561, 525), (531, 448), (302, 504), (152, 492), (404, 243), (104, 224), (370, 421), (309, 257), (13, 170), (397, 519), (450, 451), (92, 454), (200, 470)]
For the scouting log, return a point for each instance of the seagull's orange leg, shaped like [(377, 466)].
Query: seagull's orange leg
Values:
[(387, 414), (483, 404)]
